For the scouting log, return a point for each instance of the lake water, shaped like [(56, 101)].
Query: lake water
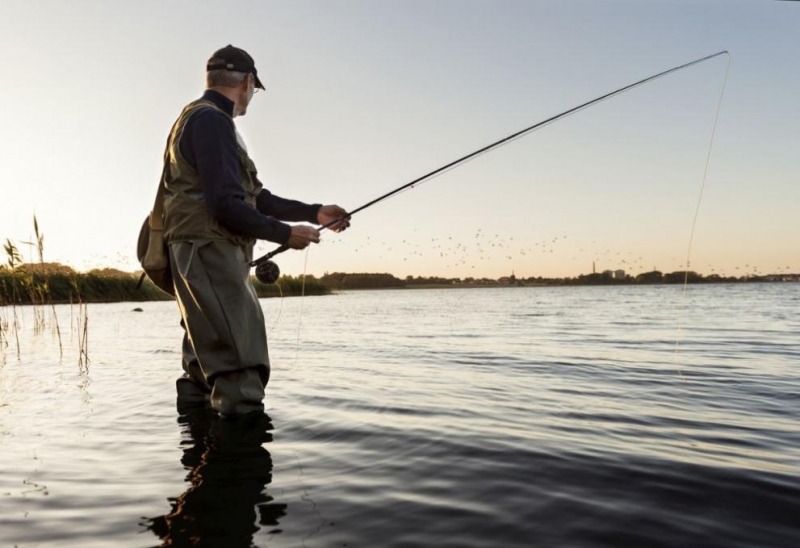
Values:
[(564, 417)]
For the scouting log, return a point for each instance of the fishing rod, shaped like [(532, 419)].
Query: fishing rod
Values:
[(268, 272)]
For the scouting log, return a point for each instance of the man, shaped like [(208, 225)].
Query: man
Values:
[(214, 209)]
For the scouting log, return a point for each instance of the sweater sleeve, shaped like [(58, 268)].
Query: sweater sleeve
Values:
[(286, 210), (209, 142)]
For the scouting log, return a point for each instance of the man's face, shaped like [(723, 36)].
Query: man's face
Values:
[(247, 91)]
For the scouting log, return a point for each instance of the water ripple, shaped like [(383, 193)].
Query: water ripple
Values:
[(582, 417)]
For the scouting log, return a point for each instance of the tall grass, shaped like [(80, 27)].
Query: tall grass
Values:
[(3, 320), (13, 261), (32, 283), (82, 327), (42, 289)]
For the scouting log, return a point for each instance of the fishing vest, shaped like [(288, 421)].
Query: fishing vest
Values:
[(186, 214)]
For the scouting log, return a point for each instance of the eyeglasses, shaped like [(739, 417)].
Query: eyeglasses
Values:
[(253, 83)]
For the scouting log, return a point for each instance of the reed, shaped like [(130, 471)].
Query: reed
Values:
[(3, 319), (40, 291), (33, 283), (13, 261), (82, 326)]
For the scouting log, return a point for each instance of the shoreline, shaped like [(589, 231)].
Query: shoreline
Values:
[(23, 288)]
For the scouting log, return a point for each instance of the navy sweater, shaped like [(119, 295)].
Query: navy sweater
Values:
[(209, 145)]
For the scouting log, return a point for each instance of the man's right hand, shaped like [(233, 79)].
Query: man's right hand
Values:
[(302, 235)]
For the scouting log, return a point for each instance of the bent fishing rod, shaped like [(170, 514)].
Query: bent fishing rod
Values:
[(268, 272)]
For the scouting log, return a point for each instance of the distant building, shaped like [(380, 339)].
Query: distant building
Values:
[(510, 280), (619, 274)]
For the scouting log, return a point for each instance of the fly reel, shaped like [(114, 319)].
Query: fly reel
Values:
[(267, 272)]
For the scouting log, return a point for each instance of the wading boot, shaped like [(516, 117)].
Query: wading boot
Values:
[(191, 393)]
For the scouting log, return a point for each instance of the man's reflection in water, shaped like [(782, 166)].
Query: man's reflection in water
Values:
[(228, 471)]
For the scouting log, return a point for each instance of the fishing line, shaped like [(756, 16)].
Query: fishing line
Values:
[(300, 313), (682, 306), (280, 308), (453, 165), (267, 271), (644, 402)]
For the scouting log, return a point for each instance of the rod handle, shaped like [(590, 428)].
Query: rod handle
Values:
[(269, 255)]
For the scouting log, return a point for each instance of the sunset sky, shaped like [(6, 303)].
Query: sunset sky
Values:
[(364, 96)]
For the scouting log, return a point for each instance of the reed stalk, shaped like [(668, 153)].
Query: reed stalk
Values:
[(3, 318), (46, 286), (83, 327), (13, 260)]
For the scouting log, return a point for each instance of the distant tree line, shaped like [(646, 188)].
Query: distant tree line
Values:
[(360, 280), (291, 286), (342, 280), (652, 277), (35, 283)]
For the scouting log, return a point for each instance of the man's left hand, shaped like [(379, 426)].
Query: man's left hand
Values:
[(329, 213)]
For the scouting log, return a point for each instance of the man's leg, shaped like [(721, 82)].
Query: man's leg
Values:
[(191, 386), (224, 322)]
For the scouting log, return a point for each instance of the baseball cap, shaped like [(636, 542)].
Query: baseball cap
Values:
[(233, 58)]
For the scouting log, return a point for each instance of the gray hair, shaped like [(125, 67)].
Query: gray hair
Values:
[(222, 77)]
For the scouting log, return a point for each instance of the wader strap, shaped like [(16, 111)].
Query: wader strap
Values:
[(157, 215)]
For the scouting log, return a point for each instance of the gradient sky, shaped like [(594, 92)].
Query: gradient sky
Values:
[(363, 96)]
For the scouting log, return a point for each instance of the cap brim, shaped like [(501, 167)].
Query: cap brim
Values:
[(258, 82)]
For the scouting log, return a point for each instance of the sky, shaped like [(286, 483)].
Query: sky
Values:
[(365, 96)]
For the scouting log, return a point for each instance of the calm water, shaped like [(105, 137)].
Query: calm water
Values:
[(557, 417)]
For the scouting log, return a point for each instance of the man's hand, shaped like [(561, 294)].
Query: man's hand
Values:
[(329, 213), (301, 236)]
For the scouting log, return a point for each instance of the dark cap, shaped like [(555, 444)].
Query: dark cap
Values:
[(236, 59)]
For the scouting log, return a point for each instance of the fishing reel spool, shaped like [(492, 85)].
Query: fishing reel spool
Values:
[(267, 272)]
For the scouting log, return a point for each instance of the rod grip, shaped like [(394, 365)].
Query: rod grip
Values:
[(269, 255)]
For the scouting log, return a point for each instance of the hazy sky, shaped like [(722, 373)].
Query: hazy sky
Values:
[(363, 96)]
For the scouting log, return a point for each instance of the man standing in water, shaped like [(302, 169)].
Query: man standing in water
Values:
[(214, 209)]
